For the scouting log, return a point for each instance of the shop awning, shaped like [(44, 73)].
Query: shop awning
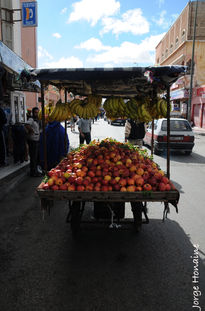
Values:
[(14, 65), (124, 82)]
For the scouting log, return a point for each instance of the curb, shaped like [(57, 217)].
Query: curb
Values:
[(199, 133), (10, 181)]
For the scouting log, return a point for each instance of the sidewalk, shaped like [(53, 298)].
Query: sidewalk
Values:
[(12, 174), (198, 130)]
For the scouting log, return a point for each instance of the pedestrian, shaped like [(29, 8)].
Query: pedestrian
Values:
[(57, 144), (19, 142), (7, 128), (84, 127), (3, 121), (32, 126), (72, 123), (134, 132)]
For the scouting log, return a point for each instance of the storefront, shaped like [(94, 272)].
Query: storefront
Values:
[(179, 102), (198, 102), (12, 92)]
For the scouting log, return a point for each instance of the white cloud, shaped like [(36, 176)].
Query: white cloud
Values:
[(92, 44), (64, 10), (43, 53), (131, 21), (93, 10), (65, 62), (56, 35), (129, 53), (164, 21)]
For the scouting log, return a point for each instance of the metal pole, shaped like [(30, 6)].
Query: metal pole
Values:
[(192, 67), (65, 140), (43, 126), (152, 142), (168, 131)]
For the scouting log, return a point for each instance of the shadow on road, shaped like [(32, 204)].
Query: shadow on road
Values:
[(119, 270), (178, 186), (182, 158), (45, 269)]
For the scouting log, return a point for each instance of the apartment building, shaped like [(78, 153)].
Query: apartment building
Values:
[(18, 50), (175, 48)]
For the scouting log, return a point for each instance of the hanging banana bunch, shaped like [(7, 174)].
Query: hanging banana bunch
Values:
[(115, 107), (95, 100), (87, 108), (59, 112)]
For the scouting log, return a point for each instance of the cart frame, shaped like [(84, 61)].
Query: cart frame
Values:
[(125, 82)]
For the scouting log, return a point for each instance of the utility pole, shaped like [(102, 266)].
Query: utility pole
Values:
[(192, 66)]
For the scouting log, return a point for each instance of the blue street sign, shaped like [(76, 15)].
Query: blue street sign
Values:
[(29, 14)]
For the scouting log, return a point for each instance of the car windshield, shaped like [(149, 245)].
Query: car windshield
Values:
[(177, 125)]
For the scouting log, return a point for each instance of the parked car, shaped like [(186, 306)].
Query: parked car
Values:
[(117, 122), (181, 135)]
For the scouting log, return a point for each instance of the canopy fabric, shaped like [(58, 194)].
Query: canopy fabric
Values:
[(124, 82)]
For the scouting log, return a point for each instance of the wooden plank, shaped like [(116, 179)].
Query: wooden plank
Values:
[(112, 196)]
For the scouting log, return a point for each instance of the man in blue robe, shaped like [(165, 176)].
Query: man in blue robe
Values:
[(55, 142)]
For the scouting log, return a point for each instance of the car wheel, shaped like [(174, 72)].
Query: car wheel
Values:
[(188, 152)]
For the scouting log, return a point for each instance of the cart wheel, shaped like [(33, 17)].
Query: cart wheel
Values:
[(75, 218), (137, 208)]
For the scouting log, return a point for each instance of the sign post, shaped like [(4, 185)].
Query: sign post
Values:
[(29, 14)]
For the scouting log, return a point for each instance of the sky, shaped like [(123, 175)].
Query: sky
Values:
[(102, 33)]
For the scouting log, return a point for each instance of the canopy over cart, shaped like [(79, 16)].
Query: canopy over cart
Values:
[(124, 82)]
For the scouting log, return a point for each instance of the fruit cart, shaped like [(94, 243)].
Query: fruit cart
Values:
[(113, 201), (138, 82)]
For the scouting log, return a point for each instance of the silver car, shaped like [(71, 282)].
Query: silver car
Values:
[(181, 135)]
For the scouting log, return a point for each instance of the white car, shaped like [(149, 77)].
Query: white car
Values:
[(181, 135)]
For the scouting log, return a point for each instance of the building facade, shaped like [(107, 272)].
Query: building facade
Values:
[(18, 44), (176, 49)]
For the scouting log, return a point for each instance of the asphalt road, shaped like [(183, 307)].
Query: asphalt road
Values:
[(42, 268)]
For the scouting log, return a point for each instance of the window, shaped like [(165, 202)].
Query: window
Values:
[(171, 48), (166, 52), (177, 42), (155, 125), (7, 26), (183, 34), (176, 125), (16, 109), (22, 110)]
